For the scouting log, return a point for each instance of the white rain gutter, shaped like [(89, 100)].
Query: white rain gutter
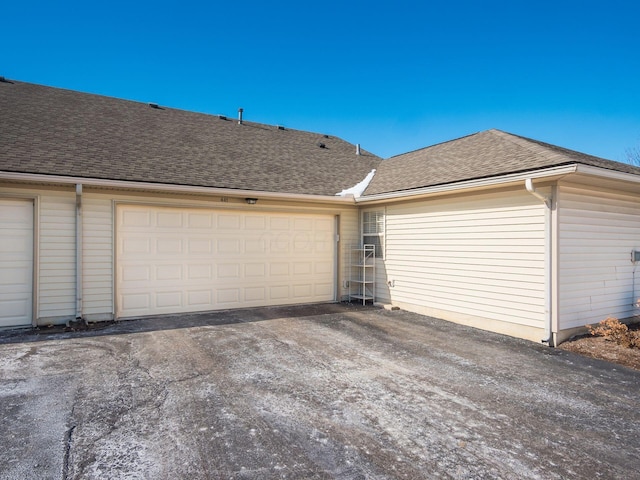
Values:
[(608, 174), (78, 251), (548, 258), (171, 188)]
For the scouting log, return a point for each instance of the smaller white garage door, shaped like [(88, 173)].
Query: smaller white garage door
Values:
[(16, 262), (174, 260)]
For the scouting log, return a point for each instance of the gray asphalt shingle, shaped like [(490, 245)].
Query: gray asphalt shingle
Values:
[(481, 155), (52, 131)]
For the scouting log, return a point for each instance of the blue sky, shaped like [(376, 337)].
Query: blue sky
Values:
[(392, 76)]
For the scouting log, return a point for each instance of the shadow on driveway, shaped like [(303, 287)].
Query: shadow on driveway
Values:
[(171, 322)]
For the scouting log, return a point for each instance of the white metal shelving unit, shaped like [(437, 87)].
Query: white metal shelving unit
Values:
[(362, 285)]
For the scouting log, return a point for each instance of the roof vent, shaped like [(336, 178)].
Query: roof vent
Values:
[(280, 127), (357, 149), (222, 117), (240, 111), (326, 136), (154, 105), (3, 80), (322, 145)]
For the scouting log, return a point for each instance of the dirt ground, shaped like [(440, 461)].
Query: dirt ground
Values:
[(603, 349), (313, 392)]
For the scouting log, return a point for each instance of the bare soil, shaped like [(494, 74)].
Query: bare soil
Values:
[(603, 349)]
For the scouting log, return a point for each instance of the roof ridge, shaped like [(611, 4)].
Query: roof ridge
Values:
[(184, 110), (437, 144), (526, 143)]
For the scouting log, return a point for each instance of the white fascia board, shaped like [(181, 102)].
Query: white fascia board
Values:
[(608, 174), (170, 188), (548, 173)]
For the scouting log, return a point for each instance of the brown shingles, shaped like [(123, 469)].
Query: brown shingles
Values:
[(59, 132), (481, 155)]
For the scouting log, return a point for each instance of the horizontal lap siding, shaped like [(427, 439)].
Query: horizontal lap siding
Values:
[(597, 231), (481, 256), (57, 255), (97, 277), (349, 236)]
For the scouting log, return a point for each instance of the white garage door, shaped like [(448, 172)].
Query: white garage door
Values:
[(173, 260), (16, 262)]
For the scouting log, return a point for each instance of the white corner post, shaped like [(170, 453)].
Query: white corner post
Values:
[(78, 251), (548, 260)]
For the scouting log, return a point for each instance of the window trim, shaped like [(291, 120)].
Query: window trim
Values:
[(380, 226)]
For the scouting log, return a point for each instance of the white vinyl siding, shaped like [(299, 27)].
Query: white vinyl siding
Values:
[(55, 300), (97, 259), (480, 256), (57, 284), (349, 236), (597, 231)]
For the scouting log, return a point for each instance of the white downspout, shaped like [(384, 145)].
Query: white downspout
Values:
[(78, 251), (548, 288)]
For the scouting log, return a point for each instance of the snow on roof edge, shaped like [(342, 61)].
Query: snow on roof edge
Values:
[(358, 189)]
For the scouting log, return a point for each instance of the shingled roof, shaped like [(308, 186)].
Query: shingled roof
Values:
[(51, 131), (485, 154)]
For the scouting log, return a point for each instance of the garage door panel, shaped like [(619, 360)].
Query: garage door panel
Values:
[(229, 297), (302, 268), (169, 273), (199, 246), (136, 218), (191, 260), (255, 246), (303, 291), (199, 272), (135, 246), (323, 289), (169, 299), (229, 222), (254, 294), (279, 269), (169, 246), (13, 308), (226, 246), (169, 219), (279, 292), (254, 270), (16, 262), (229, 270), (197, 298), (279, 223), (135, 273)]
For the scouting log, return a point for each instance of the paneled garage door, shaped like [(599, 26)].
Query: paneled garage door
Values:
[(16, 262), (173, 260)]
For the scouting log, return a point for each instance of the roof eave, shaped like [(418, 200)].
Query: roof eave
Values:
[(173, 188), (607, 173), (553, 173)]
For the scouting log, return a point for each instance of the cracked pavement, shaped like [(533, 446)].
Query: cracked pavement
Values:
[(319, 391)]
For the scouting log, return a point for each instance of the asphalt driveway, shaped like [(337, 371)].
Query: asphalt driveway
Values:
[(326, 391)]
